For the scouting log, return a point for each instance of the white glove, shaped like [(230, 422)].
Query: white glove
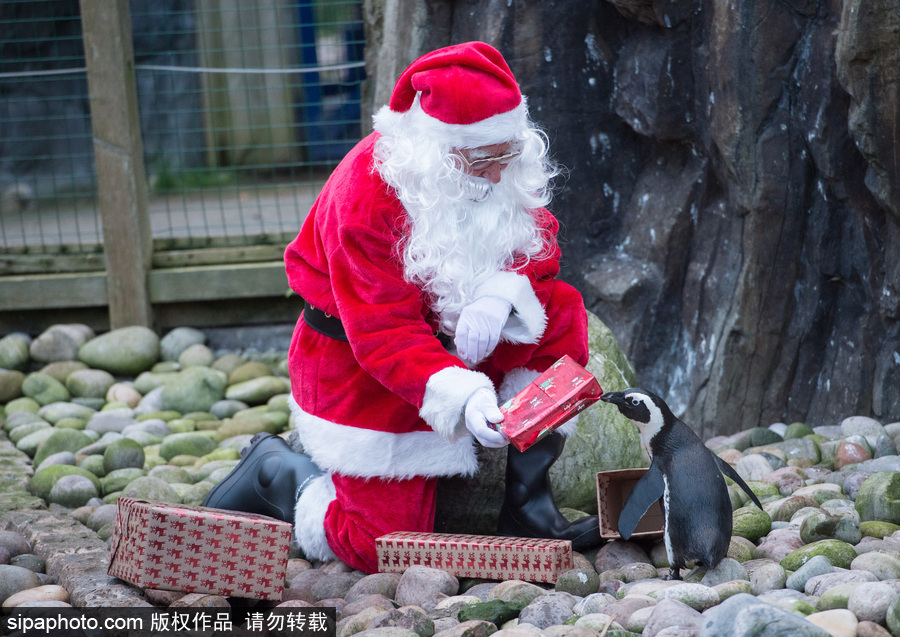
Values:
[(482, 408), (479, 326)]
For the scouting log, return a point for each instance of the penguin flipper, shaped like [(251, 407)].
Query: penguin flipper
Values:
[(729, 471), (648, 490)]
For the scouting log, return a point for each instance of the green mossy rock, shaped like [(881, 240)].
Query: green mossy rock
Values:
[(10, 384), (119, 479), (878, 499), (194, 389), (42, 481), (44, 389), (797, 430), (190, 444), (14, 352), (94, 464), (124, 453), (61, 440), (839, 553), (495, 611), (126, 351), (27, 429), (751, 523), (876, 528), (258, 390), (147, 488), (22, 404)]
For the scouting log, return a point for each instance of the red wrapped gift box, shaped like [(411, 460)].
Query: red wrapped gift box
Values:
[(557, 395), (482, 556), (199, 550)]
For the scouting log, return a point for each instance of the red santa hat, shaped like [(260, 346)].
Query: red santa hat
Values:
[(465, 95)]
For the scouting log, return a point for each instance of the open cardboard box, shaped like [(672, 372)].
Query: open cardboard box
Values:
[(613, 489)]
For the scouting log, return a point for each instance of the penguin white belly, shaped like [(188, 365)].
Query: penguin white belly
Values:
[(666, 508)]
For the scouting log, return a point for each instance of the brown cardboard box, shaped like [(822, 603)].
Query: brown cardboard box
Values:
[(199, 550), (613, 489), (482, 556)]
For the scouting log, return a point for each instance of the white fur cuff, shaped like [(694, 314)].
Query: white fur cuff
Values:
[(309, 519), (529, 320), (446, 395)]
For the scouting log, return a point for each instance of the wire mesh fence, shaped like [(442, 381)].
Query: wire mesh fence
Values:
[(245, 106)]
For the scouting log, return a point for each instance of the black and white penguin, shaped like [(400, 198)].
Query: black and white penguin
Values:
[(687, 476)]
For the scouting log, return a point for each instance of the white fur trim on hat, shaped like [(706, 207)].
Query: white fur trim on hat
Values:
[(365, 453), (529, 320), (497, 129), (309, 519), (446, 395)]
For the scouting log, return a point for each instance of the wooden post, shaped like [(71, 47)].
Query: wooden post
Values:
[(118, 154)]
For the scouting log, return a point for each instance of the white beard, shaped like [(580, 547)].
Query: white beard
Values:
[(453, 248), (463, 230)]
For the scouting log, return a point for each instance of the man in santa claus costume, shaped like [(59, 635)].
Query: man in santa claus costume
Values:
[(428, 267)]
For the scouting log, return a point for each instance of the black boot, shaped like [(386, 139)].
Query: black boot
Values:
[(528, 508), (268, 480)]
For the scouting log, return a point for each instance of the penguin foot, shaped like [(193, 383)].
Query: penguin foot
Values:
[(674, 574)]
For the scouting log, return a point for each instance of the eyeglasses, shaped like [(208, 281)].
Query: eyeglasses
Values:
[(480, 164)]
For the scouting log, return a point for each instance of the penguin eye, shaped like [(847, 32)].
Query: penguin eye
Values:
[(635, 402)]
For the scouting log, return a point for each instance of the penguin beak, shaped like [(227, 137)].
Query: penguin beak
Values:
[(612, 397)]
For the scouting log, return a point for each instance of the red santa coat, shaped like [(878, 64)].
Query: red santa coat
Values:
[(389, 403)]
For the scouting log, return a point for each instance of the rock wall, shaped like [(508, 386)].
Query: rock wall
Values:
[(732, 202)]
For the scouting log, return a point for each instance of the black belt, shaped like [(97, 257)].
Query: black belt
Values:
[(323, 323), (332, 327)]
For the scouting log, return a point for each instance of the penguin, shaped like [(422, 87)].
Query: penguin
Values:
[(687, 476)]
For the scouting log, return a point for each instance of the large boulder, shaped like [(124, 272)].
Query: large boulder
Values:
[(604, 440)]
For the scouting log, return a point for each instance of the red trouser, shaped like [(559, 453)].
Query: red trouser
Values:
[(367, 508)]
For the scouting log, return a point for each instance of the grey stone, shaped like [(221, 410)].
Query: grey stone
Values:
[(179, 339), (618, 553), (725, 571), (421, 586), (14, 579), (670, 613), (14, 543), (820, 584), (61, 457), (72, 491), (334, 585), (743, 615), (227, 408), (30, 561), (818, 565), (104, 422), (60, 342), (548, 610), (197, 355), (870, 601), (882, 565), (384, 584)]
